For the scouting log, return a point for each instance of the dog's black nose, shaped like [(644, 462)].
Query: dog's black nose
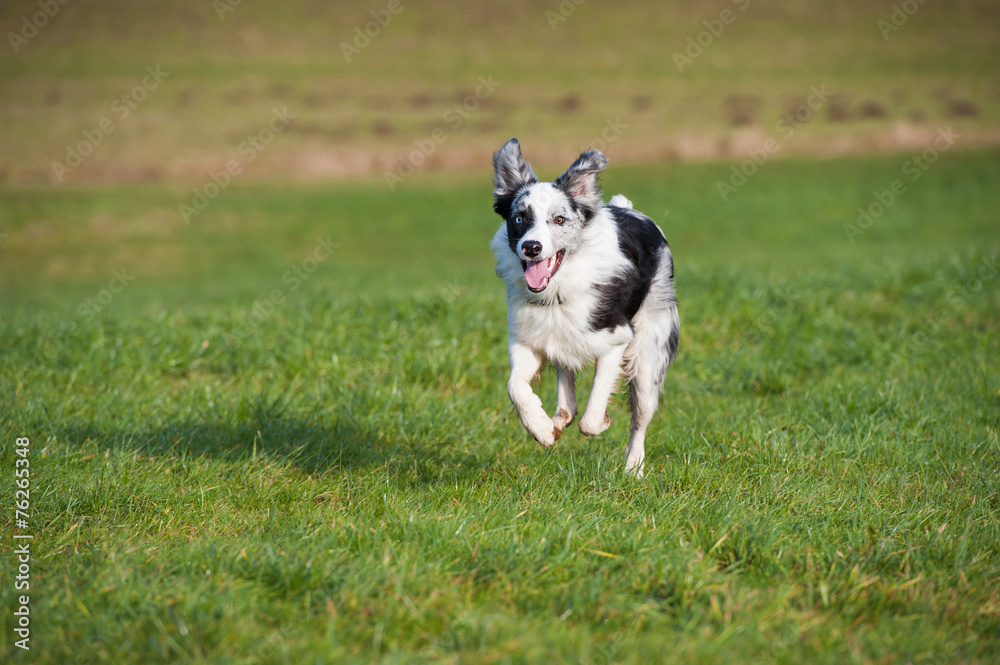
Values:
[(531, 248)]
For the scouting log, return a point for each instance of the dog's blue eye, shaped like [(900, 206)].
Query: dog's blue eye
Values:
[(518, 220)]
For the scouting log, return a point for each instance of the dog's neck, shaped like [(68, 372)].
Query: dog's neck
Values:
[(547, 303)]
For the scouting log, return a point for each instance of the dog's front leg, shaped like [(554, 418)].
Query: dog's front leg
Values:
[(609, 367), (524, 364), (565, 398)]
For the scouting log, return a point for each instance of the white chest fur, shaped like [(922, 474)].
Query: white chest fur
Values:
[(557, 322), (562, 332)]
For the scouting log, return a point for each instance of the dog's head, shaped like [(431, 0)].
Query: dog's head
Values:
[(545, 220)]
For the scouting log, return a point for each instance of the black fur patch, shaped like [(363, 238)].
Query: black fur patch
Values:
[(673, 342), (640, 241), (502, 204), (515, 232)]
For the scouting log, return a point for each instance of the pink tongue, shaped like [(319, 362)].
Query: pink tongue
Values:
[(538, 273)]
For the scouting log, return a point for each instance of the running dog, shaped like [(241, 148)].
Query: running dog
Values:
[(586, 281)]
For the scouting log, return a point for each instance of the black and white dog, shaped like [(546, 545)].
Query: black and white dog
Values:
[(585, 281)]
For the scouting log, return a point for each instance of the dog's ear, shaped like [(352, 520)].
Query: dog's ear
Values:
[(510, 174), (579, 182)]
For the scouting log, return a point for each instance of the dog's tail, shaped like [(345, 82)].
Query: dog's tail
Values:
[(620, 201)]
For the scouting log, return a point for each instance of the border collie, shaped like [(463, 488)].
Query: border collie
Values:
[(586, 281)]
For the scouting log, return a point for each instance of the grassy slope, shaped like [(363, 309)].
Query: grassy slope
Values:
[(348, 479)]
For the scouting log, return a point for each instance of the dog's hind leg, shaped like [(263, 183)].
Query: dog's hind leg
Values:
[(565, 398), (524, 364), (644, 393), (646, 365)]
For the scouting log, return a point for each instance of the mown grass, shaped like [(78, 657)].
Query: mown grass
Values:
[(343, 479)]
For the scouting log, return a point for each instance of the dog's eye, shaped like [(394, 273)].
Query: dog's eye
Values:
[(560, 219), (518, 220)]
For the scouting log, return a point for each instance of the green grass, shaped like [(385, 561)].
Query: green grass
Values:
[(344, 478)]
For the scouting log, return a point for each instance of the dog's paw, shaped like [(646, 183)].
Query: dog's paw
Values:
[(561, 420), (592, 426), (635, 460), (547, 439), (544, 431), (636, 470)]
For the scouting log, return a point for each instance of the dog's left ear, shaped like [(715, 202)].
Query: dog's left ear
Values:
[(579, 182), (510, 174)]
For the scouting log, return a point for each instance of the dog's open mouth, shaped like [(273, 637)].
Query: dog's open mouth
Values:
[(538, 273)]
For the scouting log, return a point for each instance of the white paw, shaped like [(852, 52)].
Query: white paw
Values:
[(635, 469), (562, 420), (544, 431), (592, 426), (634, 464)]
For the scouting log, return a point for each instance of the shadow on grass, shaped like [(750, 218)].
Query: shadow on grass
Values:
[(309, 446)]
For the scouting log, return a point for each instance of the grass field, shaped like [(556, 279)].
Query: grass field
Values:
[(264, 451)]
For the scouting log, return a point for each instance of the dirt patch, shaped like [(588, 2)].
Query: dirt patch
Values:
[(961, 108), (366, 161), (873, 110), (742, 110)]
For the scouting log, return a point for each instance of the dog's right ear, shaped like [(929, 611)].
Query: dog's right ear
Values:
[(510, 174), (579, 182)]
